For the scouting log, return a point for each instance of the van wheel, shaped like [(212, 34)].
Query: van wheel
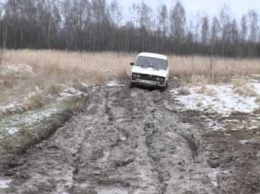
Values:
[(163, 89), (131, 85)]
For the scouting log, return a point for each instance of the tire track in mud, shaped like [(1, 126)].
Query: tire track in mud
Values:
[(49, 168), (173, 150), (116, 166), (133, 143), (127, 141)]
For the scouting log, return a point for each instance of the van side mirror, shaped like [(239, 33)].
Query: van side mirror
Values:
[(132, 63)]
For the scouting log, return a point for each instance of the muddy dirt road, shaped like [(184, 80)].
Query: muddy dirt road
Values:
[(134, 141)]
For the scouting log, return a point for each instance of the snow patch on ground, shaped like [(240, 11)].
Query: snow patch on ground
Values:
[(12, 107), (11, 131), (212, 124), (5, 183), (221, 99), (35, 117), (17, 69), (113, 83), (213, 176), (10, 125), (69, 92)]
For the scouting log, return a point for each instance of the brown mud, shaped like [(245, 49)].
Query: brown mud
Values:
[(135, 141)]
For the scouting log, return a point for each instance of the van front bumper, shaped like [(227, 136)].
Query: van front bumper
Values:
[(148, 83)]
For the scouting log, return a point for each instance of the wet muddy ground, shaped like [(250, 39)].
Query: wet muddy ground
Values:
[(136, 141)]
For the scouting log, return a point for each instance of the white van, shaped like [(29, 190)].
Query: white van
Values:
[(150, 69)]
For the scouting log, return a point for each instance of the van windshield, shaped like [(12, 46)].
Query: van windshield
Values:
[(151, 62)]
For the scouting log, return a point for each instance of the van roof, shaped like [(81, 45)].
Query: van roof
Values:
[(153, 55)]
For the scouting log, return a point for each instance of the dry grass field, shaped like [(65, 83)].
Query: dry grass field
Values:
[(24, 72)]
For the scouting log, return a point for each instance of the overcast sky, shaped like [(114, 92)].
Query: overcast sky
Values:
[(201, 7)]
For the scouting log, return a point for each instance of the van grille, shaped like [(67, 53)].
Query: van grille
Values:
[(148, 77)]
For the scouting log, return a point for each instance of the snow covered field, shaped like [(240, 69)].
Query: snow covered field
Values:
[(19, 119), (220, 99), (227, 107)]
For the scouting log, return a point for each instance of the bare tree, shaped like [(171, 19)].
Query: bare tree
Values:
[(215, 30), (115, 12), (145, 24), (145, 16), (225, 29), (253, 30), (177, 23), (163, 20), (205, 31), (162, 28), (244, 28), (234, 33)]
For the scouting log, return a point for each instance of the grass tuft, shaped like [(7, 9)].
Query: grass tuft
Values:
[(258, 99), (241, 87), (35, 101), (257, 110), (9, 81), (184, 91), (206, 90), (54, 89)]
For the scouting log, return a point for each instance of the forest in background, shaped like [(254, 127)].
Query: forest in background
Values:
[(96, 25)]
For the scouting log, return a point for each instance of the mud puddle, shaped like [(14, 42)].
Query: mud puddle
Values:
[(134, 141)]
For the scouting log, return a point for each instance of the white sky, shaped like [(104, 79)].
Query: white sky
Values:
[(201, 7)]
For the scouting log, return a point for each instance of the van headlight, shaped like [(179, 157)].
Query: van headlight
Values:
[(134, 75), (160, 79)]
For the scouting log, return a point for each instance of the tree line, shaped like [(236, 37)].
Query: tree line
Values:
[(98, 25)]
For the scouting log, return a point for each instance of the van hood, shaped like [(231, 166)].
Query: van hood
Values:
[(149, 71)]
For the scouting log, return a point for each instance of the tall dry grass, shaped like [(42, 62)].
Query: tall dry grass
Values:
[(212, 68), (51, 69)]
